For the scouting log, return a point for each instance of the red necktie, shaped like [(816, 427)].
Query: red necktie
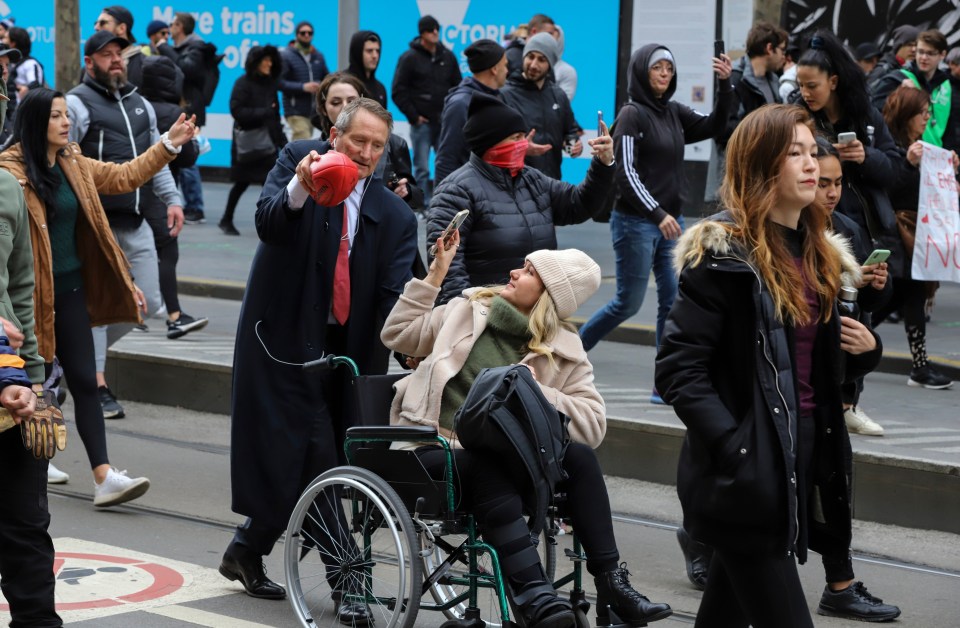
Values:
[(341, 274)]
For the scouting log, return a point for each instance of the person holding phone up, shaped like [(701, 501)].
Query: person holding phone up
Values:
[(513, 207), (834, 91), (649, 136)]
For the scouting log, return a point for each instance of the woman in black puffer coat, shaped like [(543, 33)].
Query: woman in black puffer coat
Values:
[(253, 104), (513, 208)]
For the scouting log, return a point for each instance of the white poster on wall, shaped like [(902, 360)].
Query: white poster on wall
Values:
[(687, 28)]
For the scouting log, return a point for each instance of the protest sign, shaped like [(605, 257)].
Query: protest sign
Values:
[(936, 254)]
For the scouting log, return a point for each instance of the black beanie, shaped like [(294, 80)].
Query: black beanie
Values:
[(483, 54), (428, 24), (490, 121)]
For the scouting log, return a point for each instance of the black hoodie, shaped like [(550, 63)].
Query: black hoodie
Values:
[(649, 136), (371, 85)]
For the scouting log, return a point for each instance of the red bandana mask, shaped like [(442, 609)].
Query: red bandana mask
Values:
[(509, 156)]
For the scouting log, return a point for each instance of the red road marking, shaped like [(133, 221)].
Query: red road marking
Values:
[(165, 581)]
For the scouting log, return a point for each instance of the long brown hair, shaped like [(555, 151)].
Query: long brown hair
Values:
[(904, 103), (755, 156), (329, 81)]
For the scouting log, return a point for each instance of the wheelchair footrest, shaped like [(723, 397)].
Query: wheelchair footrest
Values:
[(575, 556)]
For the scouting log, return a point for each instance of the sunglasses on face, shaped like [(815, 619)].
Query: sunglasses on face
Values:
[(103, 23), (305, 33)]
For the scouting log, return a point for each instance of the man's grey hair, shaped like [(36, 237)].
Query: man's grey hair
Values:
[(348, 113)]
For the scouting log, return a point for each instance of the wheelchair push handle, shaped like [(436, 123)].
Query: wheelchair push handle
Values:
[(330, 362)]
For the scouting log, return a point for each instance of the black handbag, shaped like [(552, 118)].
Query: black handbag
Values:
[(253, 144)]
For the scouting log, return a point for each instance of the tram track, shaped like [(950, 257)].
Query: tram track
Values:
[(882, 561)]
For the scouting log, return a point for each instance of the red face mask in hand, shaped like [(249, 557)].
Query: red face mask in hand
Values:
[(509, 156)]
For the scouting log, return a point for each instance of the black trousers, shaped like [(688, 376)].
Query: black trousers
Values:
[(26, 550), (75, 351), (168, 255), (488, 490), (753, 590)]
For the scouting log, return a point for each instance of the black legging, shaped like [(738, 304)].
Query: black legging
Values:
[(233, 198), (909, 298), (75, 350), (485, 488)]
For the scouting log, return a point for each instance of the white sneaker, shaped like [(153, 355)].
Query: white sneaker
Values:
[(117, 488), (56, 476), (859, 423)]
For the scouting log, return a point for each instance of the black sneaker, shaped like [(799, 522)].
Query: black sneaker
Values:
[(141, 327), (108, 401), (193, 216), (855, 602), (184, 325), (929, 377)]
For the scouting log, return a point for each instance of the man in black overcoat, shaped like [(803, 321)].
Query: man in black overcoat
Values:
[(288, 425)]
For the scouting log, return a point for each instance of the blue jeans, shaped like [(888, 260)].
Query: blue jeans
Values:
[(191, 187), (639, 246), (422, 138)]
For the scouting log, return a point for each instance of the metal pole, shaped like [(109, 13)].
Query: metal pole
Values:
[(348, 23), (66, 46)]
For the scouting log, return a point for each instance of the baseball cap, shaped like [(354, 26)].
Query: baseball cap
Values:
[(867, 50), (101, 39), (7, 51)]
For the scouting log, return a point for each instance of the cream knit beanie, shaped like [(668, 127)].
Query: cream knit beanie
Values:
[(570, 277)]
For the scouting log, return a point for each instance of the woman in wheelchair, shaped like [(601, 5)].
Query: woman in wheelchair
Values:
[(521, 322)]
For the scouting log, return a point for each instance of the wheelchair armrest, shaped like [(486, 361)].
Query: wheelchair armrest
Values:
[(392, 432)]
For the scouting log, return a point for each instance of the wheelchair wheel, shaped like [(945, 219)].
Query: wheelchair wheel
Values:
[(350, 538), (487, 600)]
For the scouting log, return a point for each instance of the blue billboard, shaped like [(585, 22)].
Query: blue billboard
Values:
[(237, 25)]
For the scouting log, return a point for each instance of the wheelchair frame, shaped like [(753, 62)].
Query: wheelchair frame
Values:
[(366, 486)]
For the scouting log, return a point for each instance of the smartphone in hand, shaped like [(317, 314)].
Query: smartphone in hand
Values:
[(601, 127), (447, 234), (846, 138), (718, 48), (878, 256)]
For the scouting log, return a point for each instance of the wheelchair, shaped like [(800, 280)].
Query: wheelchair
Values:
[(382, 532)]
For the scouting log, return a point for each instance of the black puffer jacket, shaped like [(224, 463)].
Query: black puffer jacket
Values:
[(547, 110), (726, 365), (422, 81), (253, 104), (509, 217)]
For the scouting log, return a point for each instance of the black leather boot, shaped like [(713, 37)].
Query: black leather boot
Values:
[(239, 563), (619, 604), (697, 557)]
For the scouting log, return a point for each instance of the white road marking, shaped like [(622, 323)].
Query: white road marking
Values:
[(202, 618)]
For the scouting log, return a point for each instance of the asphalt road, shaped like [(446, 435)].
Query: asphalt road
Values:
[(153, 564)]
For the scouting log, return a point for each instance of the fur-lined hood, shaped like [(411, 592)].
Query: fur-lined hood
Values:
[(711, 236)]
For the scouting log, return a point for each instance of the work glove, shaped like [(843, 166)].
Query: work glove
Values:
[(44, 432)]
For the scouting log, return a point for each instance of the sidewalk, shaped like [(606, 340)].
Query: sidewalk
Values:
[(212, 264), (910, 477)]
